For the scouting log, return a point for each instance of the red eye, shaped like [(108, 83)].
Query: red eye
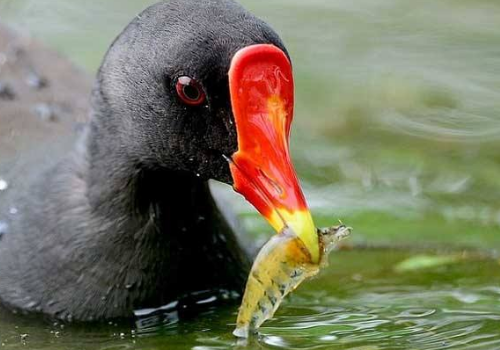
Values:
[(189, 91)]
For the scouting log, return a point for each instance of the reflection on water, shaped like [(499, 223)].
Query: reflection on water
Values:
[(359, 302)]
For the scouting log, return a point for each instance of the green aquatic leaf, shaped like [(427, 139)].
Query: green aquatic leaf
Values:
[(419, 262)]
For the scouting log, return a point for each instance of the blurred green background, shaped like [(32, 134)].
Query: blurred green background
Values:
[(398, 107), (397, 132)]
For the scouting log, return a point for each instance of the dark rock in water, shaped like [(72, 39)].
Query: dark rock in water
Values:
[(6, 92)]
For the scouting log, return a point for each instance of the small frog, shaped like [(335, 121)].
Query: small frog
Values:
[(282, 265)]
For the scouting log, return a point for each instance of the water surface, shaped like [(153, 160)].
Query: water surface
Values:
[(367, 299)]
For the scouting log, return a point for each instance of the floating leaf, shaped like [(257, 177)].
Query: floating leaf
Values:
[(419, 262)]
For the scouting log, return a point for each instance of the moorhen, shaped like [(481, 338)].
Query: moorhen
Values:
[(105, 207)]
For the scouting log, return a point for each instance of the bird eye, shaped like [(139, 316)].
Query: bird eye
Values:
[(189, 91)]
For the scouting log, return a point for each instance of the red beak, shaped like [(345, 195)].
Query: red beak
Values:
[(262, 98)]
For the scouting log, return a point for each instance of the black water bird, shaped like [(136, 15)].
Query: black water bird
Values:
[(106, 208)]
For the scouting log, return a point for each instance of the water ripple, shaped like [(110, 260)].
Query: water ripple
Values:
[(391, 322)]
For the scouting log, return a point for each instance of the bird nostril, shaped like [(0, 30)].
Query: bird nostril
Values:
[(272, 183)]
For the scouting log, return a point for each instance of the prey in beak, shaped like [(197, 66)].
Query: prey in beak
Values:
[(262, 99)]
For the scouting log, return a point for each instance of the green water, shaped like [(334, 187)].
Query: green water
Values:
[(367, 300), (396, 133)]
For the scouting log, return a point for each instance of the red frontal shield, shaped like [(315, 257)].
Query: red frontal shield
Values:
[(262, 98)]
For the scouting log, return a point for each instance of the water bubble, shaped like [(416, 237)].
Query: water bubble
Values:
[(13, 210)]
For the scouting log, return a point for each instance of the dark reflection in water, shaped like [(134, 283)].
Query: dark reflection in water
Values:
[(361, 302)]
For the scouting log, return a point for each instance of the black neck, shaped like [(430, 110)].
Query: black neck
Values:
[(174, 221)]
